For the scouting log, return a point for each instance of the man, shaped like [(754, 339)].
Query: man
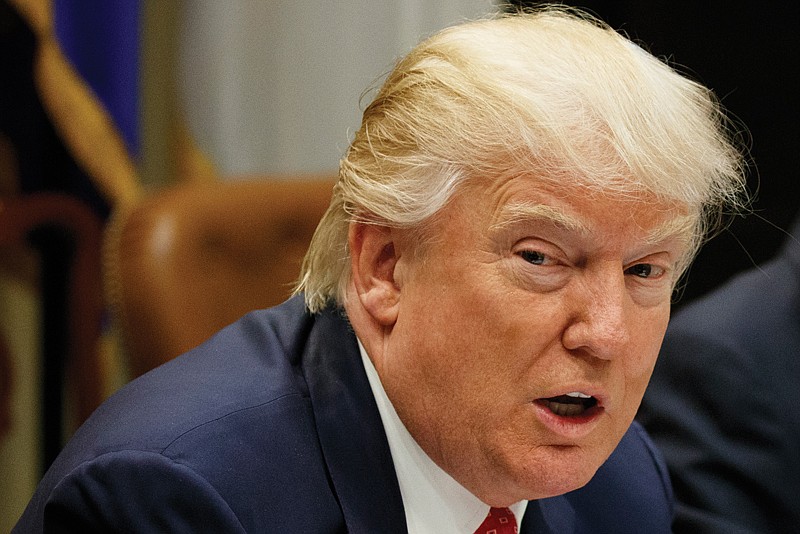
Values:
[(477, 319), (722, 402)]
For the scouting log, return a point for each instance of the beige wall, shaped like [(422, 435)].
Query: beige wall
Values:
[(274, 87)]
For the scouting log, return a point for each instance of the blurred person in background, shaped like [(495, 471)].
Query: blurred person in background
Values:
[(722, 402)]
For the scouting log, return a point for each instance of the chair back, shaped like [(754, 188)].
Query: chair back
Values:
[(67, 234), (190, 259)]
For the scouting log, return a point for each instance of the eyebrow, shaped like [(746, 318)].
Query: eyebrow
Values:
[(679, 227), (521, 212)]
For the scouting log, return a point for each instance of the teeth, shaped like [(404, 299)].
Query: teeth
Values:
[(579, 395)]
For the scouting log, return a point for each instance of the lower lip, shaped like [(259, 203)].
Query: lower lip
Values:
[(573, 427)]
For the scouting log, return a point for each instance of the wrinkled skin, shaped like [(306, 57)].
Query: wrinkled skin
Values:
[(529, 292)]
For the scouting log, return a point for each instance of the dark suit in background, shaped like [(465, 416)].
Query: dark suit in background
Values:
[(273, 428), (723, 402)]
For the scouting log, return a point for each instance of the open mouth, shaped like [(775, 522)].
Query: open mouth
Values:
[(573, 404)]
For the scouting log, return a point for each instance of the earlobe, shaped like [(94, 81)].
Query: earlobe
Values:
[(374, 256)]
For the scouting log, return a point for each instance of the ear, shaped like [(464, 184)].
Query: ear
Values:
[(374, 254)]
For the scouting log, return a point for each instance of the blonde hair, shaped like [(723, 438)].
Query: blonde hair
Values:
[(553, 92)]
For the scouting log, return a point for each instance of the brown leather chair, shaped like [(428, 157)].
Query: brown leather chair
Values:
[(190, 259)]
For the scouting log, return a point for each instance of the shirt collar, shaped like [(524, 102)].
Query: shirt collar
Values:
[(433, 500)]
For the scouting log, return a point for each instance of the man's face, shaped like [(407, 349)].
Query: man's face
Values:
[(526, 334)]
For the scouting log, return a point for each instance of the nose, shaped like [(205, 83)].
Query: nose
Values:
[(599, 322)]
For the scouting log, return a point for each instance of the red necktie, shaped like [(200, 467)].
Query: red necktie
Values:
[(499, 521)]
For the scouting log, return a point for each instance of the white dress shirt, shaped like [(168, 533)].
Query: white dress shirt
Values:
[(434, 502)]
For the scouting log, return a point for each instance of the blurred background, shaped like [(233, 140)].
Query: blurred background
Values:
[(105, 105)]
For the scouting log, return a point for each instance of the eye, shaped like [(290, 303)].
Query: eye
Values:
[(539, 271), (644, 270), (533, 257)]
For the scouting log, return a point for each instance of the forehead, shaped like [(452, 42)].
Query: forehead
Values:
[(590, 212)]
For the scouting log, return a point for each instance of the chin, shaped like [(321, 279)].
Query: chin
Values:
[(560, 473), (565, 484), (576, 482)]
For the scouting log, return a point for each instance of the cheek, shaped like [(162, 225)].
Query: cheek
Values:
[(639, 366), (470, 330), (649, 333)]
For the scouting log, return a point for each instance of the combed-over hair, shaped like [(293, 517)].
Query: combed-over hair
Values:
[(551, 92)]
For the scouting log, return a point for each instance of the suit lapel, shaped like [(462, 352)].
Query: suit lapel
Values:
[(350, 429)]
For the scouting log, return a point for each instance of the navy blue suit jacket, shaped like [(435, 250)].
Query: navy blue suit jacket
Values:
[(722, 403), (271, 426)]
